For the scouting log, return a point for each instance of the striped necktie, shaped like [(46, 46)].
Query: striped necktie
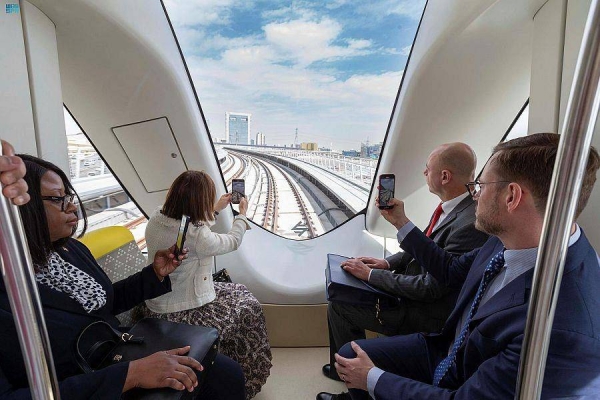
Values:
[(492, 269)]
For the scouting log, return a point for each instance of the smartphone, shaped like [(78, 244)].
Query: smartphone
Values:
[(238, 190), (387, 182), (183, 227)]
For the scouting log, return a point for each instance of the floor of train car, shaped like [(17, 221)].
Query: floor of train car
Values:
[(296, 375)]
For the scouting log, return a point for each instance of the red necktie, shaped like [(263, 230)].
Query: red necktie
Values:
[(436, 216)]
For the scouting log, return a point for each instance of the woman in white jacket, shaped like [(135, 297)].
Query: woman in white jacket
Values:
[(195, 298)]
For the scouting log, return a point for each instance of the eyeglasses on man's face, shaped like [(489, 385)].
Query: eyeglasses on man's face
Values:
[(64, 201), (474, 188)]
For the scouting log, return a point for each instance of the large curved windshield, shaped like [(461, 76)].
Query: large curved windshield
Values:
[(297, 97)]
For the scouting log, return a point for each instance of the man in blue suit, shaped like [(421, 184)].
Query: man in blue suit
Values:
[(476, 356)]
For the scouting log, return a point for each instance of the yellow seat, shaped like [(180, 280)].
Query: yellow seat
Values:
[(116, 251), (105, 240)]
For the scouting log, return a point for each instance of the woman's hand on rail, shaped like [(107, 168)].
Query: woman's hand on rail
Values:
[(170, 368), (165, 261), (243, 206), (12, 171), (223, 202)]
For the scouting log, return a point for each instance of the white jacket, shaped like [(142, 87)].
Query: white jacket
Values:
[(192, 284)]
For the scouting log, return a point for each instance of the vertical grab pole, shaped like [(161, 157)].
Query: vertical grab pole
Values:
[(17, 273), (575, 142)]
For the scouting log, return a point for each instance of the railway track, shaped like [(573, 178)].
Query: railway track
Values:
[(300, 202), (275, 201), (240, 171), (230, 163), (271, 205)]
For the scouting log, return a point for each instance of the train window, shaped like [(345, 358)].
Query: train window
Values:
[(312, 85), (520, 125), (105, 201)]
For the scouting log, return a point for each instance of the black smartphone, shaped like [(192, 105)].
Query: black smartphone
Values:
[(238, 190), (387, 183), (183, 227)]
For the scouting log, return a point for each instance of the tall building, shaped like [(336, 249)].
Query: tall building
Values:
[(260, 139), (237, 128)]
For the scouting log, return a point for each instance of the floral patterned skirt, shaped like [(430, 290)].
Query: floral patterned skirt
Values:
[(238, 317)]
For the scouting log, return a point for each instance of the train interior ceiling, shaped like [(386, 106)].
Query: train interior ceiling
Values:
[(118, 69)]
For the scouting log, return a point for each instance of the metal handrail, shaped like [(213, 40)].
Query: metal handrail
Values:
[(571, 159), (17, 273)]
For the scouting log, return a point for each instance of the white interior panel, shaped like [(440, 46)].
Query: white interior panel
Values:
[(577, 12), (468, 77), (116, 71), (546, 68), (46, 93), (153, 152), (15, 99), (284, 271), (576, 18)]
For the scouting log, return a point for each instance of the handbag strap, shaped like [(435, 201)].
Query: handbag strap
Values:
[(117, 336)]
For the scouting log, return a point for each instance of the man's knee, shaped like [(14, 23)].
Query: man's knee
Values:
[(225, 380), (346, 350)]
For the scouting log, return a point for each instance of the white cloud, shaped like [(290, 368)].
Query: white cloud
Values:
[(379, 9), (306, 41), (272, 74), (333, 4), (410, 8), (280, 97), (405, 50), (198, 12), (359, 43)]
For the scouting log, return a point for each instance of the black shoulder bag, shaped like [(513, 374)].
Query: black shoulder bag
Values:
[(222, 276), (99, 345)]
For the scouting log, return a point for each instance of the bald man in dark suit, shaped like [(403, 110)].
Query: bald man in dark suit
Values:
[(424, 303)]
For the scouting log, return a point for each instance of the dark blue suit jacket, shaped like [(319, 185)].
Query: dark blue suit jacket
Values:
[(64, 319), (487, 363)]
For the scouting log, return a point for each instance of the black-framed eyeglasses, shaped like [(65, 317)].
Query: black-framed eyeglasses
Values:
[(474, 188), (64, 201)]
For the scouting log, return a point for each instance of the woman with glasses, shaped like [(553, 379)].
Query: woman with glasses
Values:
[(75, 292), (195, 298)]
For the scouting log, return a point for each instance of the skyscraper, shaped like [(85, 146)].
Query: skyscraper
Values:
[(237, 127), (260, 139)]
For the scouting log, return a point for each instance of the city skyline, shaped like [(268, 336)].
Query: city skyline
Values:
[(331, 70)]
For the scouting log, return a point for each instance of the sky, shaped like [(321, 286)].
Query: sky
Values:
[(329, 68)]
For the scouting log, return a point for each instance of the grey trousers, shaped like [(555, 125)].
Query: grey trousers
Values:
[(347, 322)]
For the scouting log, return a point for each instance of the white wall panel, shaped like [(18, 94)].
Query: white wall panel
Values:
[(576, 17), (285, 271), (546, 66), (44, 79), (153, 152), (15, 99), (468, 77)]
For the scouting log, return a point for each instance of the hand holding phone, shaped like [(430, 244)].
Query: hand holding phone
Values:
[(238, 190), (183, 227), (387, 183)]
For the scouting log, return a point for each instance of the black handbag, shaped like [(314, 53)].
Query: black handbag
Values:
[(222, 276), (344, 287), (99, 345)]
